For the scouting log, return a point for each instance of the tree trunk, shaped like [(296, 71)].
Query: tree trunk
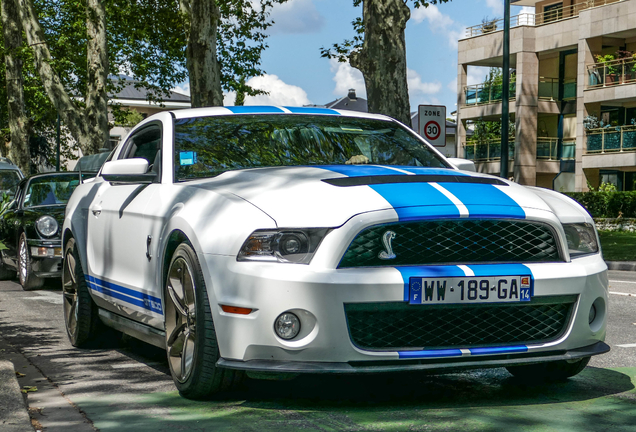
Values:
[(382, 59), (18, 120), (90, 131), (201, 60), (97, 69)]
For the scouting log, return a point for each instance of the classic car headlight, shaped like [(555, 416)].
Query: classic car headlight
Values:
[(287, 245), (46, 225), (581, 239)]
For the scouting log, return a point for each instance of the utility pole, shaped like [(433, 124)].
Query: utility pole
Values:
[(505, 91)]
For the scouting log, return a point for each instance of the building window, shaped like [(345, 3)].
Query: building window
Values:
[(553, 12)]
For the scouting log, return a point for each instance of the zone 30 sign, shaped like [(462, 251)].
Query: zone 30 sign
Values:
[(433, 124)]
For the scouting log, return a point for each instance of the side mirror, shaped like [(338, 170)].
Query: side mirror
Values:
[(128, 171), (463, 164)]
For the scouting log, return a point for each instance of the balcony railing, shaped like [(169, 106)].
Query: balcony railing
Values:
[(621, 71), (487, 151), (527, 19), (485, 93), (611, 139), (549, 88), (547, 149)]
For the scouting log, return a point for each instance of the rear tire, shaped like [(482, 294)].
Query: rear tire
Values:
[(28, 280), (550, 371), (191, 342), (80, 312)]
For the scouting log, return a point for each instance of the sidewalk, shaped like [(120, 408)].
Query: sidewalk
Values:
[(13, 410)]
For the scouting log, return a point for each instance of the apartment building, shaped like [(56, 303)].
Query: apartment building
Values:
[(572, 96)]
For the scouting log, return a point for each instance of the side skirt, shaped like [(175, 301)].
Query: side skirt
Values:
[(132, 328)]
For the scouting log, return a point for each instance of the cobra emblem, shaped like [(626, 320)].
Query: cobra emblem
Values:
[(387, 254)]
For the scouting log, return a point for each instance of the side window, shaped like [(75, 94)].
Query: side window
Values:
[(146, 144)]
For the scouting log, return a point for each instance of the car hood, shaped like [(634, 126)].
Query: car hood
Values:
[(328, 196)]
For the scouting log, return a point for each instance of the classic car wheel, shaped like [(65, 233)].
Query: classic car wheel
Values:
[(28, 280), (550, 371), (190, 336), (80, 313)]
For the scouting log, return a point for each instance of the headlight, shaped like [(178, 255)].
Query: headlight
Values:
[(289, 246), (46, 225), (581, 239)]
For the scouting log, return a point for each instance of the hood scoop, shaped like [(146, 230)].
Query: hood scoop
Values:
[(426, 178)]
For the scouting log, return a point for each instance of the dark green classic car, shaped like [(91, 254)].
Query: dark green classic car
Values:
[(30, 228)]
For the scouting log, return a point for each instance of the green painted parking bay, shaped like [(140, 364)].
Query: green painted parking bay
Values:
[(489, 400)]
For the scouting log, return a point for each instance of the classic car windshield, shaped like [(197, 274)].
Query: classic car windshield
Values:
[(208, 146), (50, 190)]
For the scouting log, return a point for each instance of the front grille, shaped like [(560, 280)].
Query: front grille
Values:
[(393, 326), (452, 242)]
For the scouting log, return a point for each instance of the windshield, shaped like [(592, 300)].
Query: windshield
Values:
[(9, 182), (50, 190), (209, 146)]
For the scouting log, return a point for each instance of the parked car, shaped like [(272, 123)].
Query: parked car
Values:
[(31, 226), (10, 176), (296, 240), (91, 163)]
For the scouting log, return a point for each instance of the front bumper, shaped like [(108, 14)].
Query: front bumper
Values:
[(318, 295), (445, 365), (46, 258)]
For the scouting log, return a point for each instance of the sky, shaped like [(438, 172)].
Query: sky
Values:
[(296, 75)]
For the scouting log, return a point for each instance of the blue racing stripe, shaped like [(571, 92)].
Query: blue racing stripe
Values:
[(408, 272), (485, 200), (255, 109), (128, 295), (401, 196), (360, 170), (430, 353), (498, 350), (500, 270), (312, 110)]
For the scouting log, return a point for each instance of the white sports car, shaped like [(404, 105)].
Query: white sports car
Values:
[(305, 240)]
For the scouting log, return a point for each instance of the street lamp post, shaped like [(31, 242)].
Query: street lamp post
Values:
[(505, 91)]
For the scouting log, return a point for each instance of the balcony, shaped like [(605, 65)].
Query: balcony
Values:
[(487, 151), (485, 93), (542, 18), (611, 139), (547, 149), (611, 73)]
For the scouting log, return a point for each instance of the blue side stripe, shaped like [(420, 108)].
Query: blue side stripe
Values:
[(498, 350), (312, 110), (430, 353), (128, 295), (254, 109), (408, 272), (484, 200)]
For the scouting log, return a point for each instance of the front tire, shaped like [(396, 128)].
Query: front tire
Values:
[(549, 371), (191, 341), (28, 280), (80, 313)]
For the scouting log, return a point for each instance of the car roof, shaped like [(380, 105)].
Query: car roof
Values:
[(270, 110), (6, 164)]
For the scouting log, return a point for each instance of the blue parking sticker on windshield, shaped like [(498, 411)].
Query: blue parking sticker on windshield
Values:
[(187, 158)]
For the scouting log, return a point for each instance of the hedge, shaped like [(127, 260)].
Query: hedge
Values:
[(607, 204)]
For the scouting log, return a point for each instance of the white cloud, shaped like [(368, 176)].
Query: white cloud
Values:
[(183, 88), (439, 23), (417, 87), (497, 7), (297, 16), (347, 78), (280, 93), (477, 74)]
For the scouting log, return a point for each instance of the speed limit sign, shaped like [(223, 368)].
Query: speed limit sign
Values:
[(432, 124)]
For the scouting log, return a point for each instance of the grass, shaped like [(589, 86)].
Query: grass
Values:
[(618, 245)]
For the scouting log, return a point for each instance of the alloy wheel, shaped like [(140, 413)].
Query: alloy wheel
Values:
[(181, 319), (24, 256), (70, 287)]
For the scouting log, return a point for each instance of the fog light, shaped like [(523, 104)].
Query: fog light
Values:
[(287, 326), (592, 316)]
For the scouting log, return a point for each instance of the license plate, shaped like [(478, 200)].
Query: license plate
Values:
[(470, 289)]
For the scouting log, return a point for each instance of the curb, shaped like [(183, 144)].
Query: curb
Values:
[(621, 265), (14, 416)]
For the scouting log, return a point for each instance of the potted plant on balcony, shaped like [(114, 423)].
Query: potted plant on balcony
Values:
[(489, 25), (610, 67)]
